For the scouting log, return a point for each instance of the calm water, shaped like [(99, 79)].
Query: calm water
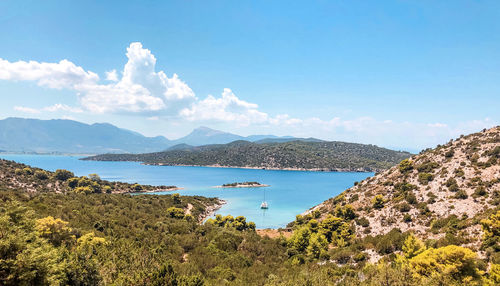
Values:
[(290, 192)]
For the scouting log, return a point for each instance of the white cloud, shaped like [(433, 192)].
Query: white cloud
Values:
[(64, 74), (141, 88), (26, 109), (437, 125), (62, 107), (227, 108), (112, 75)]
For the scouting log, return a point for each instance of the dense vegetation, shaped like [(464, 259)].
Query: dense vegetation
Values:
[(20, 176), (89, 238), (330, 156)]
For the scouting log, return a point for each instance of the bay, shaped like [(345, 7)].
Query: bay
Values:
[(290, 192)]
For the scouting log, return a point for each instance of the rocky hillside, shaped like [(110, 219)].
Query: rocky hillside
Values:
[(297, 155), (441, 193)]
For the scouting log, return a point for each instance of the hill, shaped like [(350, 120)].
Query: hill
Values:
[(207, 136), (58, 229), (296, 155), (440, 195), (68, 136)]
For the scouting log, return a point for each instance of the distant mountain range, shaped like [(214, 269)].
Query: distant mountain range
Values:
[(68, 136)]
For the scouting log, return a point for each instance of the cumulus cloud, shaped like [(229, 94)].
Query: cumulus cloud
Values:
[(112, 75), (227, 108), (63, 74), (141, 88)]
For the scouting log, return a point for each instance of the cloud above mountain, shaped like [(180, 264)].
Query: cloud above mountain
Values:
[(139, 89)]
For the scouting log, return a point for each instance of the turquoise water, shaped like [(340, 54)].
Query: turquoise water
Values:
[(290, 192)]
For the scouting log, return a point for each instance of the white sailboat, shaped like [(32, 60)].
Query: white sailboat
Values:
[(264, 205)]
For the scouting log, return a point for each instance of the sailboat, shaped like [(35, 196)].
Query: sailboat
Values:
[(264, 205)]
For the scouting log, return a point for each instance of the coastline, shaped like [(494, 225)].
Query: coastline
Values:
[(242, 186), (271, 168), (210, 210), (160, 190)]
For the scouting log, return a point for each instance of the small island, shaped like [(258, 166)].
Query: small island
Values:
[(243, 185)]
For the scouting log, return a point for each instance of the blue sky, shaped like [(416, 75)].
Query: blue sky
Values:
[(401, 74)]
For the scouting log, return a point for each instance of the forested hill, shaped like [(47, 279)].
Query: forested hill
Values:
[(298, 155)]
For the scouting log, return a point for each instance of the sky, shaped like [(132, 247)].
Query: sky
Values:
[(400, 74)]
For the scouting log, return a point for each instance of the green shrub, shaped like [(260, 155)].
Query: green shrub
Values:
[(461, 194), (363, 221), (378, 201), (84, 190), (27, 171), (407, 218), (73, 182), (424, 178), (63, 175), (404, 207), (174, 212), (41, 175), (405, 166)]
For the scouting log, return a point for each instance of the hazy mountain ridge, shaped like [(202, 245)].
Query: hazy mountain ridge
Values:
[(297, 155), (69, 136), (431, 193)]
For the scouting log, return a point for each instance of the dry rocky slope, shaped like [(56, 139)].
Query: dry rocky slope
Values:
[(454, 185)]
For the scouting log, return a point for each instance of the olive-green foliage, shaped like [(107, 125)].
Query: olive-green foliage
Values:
[(294, 154), (378, 202), (174, 212), (427, 167), (63, 175), (405, 166), (32, 251), (491, 230), (41, 175), (452, 185), (424, 178), (239, 223)]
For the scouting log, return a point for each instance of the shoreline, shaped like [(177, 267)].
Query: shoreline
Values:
[(332, 170), (160, 190), (210, 210), (241, 186)]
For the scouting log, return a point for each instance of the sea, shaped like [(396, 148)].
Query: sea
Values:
[(289, 192)]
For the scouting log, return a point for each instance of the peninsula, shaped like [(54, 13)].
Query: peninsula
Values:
[(293, 155)]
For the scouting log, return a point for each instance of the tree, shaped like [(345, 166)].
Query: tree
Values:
[(174, 212), (454, 262), (176, 198), (165, 276), (412, 246), (25, 257), (491, 230), (55, 230), (317, 245), (63, 175), (41, 175), (300, 239), (94, 177)]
